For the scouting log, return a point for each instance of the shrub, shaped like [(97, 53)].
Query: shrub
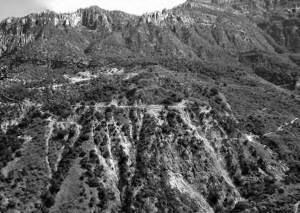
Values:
[(61, 134), (19, 154), (95, 182), (213, 198), (47, 199), (281, 190)]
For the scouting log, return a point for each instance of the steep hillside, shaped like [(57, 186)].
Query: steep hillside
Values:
[(194, 109)]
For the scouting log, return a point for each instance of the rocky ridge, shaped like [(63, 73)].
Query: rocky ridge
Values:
[(219, 30)]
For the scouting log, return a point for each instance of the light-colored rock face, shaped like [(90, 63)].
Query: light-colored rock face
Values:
[(17, 32), (239, 5), (166, 17), (212, 22), (81, 17)]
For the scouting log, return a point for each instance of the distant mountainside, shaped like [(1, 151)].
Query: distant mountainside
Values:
[(200, 30), (193, 109)]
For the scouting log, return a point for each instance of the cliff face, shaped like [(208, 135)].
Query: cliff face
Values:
[(210, 29), (16, 33), (218, 26), (217, 30)]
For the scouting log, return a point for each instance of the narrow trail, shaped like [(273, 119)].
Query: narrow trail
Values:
[(48, 137), (98, 106), (137, 106), (281, 128)]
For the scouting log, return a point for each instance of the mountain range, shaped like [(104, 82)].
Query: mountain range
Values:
[(192, 109)]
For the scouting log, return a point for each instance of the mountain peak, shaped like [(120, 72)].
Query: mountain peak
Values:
[(93, 8), (46, 12)]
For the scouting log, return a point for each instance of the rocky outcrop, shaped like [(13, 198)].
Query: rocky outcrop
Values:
[(166, 17), (211, 29), (16, 33)]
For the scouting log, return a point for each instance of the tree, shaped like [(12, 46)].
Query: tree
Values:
[(4, 74)]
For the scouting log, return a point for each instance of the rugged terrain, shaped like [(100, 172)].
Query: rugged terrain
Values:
[(193, 109)]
